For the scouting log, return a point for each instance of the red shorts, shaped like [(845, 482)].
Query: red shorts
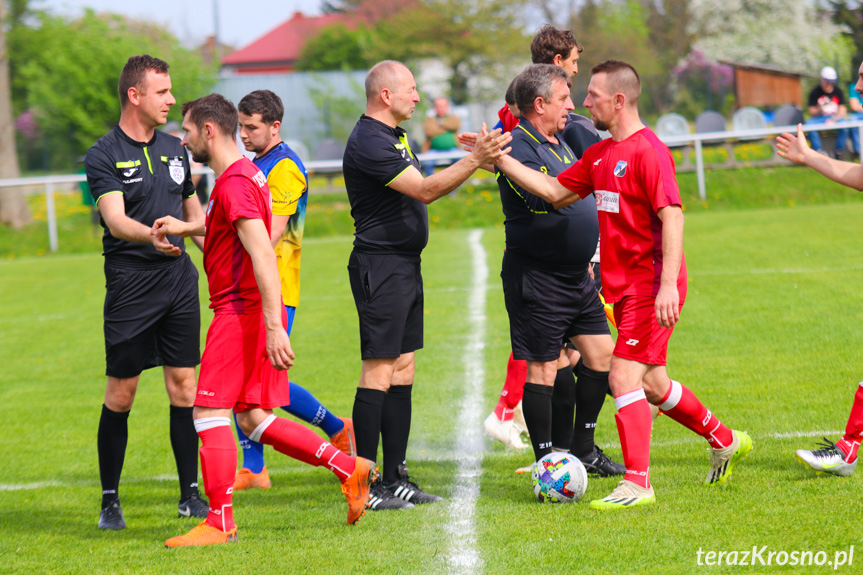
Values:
[(235, 370), (639, 336)]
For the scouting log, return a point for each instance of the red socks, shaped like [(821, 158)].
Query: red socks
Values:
[(300, 442), (633, 426), (218, 468), (681, 405), (850, 442), (513, 388)]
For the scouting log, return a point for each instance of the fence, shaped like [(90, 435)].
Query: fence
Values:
[(335, 166)]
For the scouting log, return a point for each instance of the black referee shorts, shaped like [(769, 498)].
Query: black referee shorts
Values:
[(152, 317), (546, 307), (388, 293)]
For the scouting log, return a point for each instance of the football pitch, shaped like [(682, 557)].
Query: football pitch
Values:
[(768, 339)]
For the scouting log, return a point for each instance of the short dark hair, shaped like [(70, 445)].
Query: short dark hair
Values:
[(263, 102), (214, 108), (534, 82), (622, 77), (135, 71), (549, 42), (509, 98)]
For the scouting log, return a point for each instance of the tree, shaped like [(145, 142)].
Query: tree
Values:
[(66, 72), (472, 37), (848, 14), (13, 207), (338, 47), (760, 32)]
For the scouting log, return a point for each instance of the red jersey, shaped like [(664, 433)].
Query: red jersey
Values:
[(240, 192), (632, 180)]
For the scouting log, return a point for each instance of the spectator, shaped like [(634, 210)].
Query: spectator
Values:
[(827, 106), (440, 129)]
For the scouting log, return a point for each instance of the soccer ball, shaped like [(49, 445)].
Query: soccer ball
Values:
[(559, 478)]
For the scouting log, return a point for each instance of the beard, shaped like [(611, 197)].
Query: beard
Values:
[(201, 156), (600, 125)]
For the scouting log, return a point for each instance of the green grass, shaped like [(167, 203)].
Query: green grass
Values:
[(475, 204), (769, 340)]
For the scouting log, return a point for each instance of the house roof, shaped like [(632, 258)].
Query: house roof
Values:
[(285, 42)]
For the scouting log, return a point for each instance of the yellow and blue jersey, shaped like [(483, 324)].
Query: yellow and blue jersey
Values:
[(288, 182)]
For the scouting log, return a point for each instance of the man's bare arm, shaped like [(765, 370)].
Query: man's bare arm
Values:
[(667, 304), (488, 148), (113, 209), (253, 235), (794, 147), (193, 213)]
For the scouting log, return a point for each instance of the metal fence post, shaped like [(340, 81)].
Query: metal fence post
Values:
[(52, 216), (699, 169)]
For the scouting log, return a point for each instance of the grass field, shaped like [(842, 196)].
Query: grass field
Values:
[(769, 340)]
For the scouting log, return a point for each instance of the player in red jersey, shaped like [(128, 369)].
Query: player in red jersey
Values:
[(839, 458), (643, 274), (248, 351)]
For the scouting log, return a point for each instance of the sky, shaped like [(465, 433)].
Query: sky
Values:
[(240, 22)]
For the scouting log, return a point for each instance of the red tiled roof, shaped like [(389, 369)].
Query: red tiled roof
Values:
[(285, 42)]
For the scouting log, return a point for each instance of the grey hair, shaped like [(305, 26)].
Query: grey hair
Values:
[(536, 82)]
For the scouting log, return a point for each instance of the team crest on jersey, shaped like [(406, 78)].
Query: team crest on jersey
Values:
[(176, 169), (260, 179), (620, 169)]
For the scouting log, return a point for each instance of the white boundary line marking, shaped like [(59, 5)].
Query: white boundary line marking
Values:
[(438, 456), (468, 444)]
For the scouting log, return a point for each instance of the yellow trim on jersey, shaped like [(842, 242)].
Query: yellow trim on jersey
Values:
[(399, 174), (287, 184), (150, 164), (107, 193)]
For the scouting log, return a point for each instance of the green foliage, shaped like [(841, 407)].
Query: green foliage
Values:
[(756, 32), (847, 14), (471, 37), (67, 73), (338, 113), (338, 47)]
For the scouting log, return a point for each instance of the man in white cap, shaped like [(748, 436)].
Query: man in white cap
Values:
[(827, 106)]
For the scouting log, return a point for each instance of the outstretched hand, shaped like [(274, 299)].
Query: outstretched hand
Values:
[(161, 228), (486, 146), (793, 147)]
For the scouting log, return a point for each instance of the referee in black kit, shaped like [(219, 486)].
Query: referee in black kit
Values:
[(152, 314), (388, 197)]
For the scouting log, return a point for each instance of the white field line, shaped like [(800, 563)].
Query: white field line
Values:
[(463, 556), (434, 456)]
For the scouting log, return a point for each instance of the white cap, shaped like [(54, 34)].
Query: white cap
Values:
[(828, 73)]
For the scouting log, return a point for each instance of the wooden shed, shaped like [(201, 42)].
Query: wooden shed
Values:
[(765, 86)]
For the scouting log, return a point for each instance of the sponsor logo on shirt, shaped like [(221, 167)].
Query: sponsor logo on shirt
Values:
[(209, 208), (620, 169), (130, 172), (260, 179), (133, 181), (596, 163), (607, 201), (403, 150)]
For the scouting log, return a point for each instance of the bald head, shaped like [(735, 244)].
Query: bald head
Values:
[(620, 78), (384, 75)]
